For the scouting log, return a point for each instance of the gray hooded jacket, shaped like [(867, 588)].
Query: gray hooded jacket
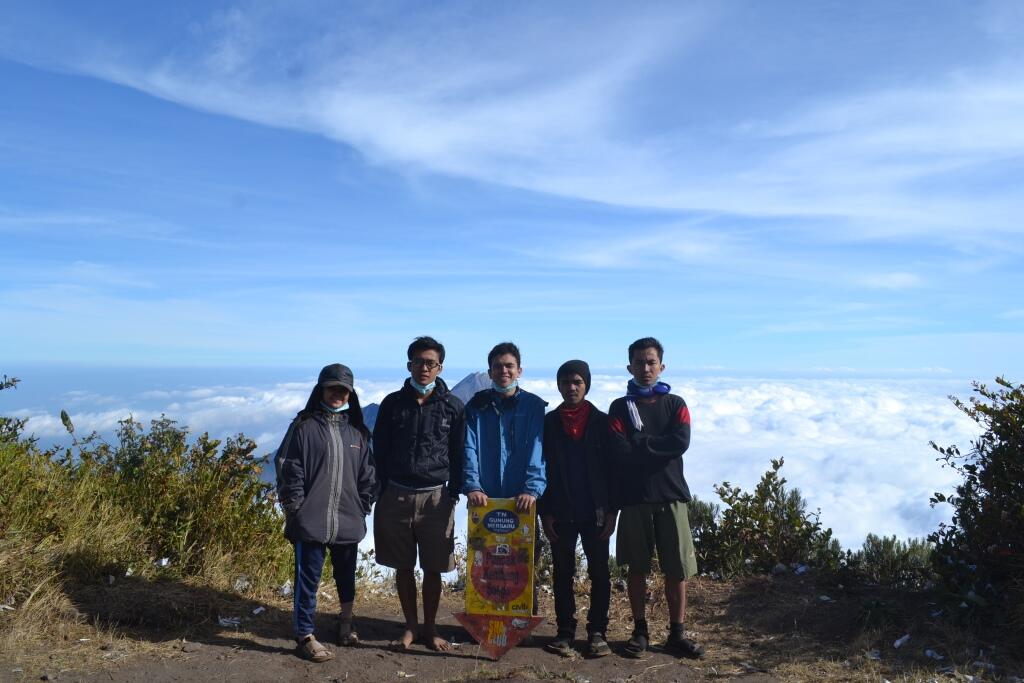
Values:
[(325, 476)]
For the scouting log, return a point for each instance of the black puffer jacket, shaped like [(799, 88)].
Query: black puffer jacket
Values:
[(420, 446)]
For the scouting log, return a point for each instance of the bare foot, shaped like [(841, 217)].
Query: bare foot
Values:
[(434, 641), (405, 642)]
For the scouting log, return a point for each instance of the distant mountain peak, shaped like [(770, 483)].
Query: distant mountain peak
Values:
[(470, 384)]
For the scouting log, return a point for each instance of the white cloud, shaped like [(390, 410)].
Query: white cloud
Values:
[(548, 102), (892, 281), (857, 448)]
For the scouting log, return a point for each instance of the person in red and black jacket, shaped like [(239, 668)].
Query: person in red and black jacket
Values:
[(650, 429), (577, 504)]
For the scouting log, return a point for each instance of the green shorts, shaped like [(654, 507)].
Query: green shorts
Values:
[(665, 528)]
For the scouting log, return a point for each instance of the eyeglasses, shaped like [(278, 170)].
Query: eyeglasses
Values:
[(420, 363)]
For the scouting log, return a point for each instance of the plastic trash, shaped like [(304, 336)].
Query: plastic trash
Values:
[(900, 642), (801, 569), (241, 584), (229, 621), (259, 610), (934, 655), (874, 654), (163, 562), (285, 591)]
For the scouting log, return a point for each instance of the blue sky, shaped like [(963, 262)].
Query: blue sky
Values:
[(816, 206), (765, 186)]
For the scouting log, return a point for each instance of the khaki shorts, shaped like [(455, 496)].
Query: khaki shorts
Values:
[(665, 528), (404, 520)]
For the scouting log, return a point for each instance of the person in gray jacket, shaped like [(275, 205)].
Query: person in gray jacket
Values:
[(326, 485)]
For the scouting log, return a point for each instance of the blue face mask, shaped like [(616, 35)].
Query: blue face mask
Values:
[(422, 389), (510, 389), (340, 409)]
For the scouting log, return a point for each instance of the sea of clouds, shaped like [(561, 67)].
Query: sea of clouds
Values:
[(858, 449)]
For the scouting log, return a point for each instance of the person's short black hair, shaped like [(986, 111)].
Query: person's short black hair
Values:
[(501, 349), (647, 343), (426, 344)]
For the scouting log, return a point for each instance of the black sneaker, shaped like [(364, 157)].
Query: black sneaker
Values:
[(560, 645), (597, 646), (682, 646), (636, 646)]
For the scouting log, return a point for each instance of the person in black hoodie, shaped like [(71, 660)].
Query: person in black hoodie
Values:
[(418, 442), (650, 428), (326, 485), (577, 504)]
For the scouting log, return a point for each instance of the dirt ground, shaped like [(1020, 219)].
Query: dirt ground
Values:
[(757, 630)]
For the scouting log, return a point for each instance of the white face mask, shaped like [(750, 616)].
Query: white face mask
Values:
[(423, 389), (340, 409), (505, 390)]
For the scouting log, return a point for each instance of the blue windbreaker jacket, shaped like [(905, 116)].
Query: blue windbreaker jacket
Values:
[(504, 456)]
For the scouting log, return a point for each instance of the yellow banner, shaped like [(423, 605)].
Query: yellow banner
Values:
[(500, 559)]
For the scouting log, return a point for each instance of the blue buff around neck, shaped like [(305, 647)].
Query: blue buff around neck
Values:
[(422, 389), (506, 390), (340, 409)]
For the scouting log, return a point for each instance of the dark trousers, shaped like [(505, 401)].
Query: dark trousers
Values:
[(309, 564), (563, 555)]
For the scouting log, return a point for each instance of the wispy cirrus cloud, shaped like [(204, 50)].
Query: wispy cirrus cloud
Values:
[(547, 101)]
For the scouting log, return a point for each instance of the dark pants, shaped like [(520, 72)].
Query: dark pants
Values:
[(563, 555), (309, 564)]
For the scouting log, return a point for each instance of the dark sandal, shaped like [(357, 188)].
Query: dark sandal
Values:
[(684, 647), (637, 645), (347, 638)]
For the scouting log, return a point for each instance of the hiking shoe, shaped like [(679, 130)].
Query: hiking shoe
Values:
[(683, 647), (313, 650), (597, 646), (637, 644), (560, 645)]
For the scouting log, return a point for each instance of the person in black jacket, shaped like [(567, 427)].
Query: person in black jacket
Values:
[(326, 486), (418, 443), (577, 504), (650, 428)]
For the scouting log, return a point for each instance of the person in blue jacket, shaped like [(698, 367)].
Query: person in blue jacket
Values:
[(504, 429)]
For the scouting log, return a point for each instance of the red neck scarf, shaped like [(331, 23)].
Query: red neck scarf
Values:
[(574, 420)]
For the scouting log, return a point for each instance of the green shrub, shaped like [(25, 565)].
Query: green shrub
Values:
[(888, 561), (203, 505), (56, 527), (704, 527), (980, 553), (10, 427), (758, 530)]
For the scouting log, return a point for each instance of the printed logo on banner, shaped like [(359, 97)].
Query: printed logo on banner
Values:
[(499, 593), (500, 557)]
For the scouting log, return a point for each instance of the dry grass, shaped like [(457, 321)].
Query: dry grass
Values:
[(778, 626)]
